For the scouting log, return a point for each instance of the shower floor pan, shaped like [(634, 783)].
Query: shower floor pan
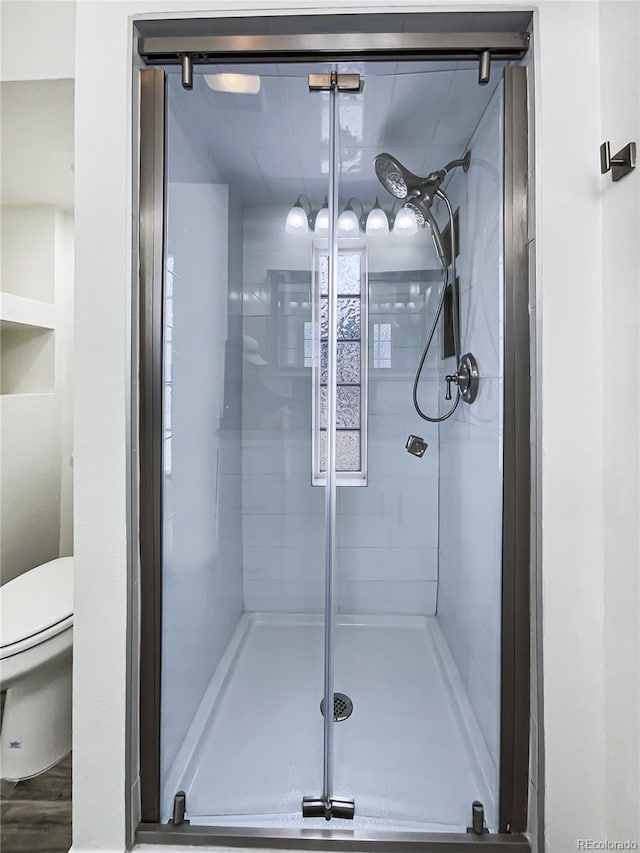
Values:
[(411, 754)]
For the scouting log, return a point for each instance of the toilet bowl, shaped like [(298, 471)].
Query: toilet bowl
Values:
[(36, 637)]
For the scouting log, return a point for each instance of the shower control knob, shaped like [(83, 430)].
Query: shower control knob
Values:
[(467, 378), (450, 377)]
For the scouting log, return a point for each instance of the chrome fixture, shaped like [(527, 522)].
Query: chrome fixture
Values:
[(416, 445), (187, 71), (418, 195), (621, 163), (484, 67), (402, 183), (332, 807), (478, 824), (333, 80), (342, 707), (466, 378)]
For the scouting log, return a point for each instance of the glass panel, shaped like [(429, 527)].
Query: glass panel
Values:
[(417, 630), (243, 527)]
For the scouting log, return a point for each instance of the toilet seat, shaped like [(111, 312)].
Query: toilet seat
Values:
[(36, 606)]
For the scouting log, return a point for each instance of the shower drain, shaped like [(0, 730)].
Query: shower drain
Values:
[(342, 707)]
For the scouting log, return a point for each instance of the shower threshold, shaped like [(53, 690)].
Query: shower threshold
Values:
[(411, 754)]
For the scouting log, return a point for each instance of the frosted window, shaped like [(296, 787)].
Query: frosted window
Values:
[(351, 365), (348, 319), (348, 364), (347, 407), (308, 345), (348, 459), (349, 274)]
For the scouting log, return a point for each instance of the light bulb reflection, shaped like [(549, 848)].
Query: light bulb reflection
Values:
[(405, 223), (377, 222), (297, 222), (348, 223)]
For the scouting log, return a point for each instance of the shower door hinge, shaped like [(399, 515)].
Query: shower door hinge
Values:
[(316, 807), (333, 80), (477, 819), (179, 810)]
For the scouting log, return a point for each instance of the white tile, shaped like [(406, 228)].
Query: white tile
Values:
[(359, 531), (413, 117), (415, 597), (263, 493), (303, 596), (301, 531), (263, 530), (414, 564), (263, 594), (260, 563), (303, 564), (366, 597), (364, 564), (410, 531)]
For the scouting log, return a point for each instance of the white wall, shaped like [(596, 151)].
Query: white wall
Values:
[(571, 517), (470, 549), (568, 309), (387, 532), (36, 478), (38, 39), (620, 104)]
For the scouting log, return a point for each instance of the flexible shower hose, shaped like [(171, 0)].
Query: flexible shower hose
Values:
[(432, 330)]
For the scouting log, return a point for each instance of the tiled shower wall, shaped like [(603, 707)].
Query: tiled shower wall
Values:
[(470, 558), (387, 531)]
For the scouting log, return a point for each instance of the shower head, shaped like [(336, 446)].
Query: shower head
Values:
[(418, 193), (402, 183), (394, 177), (421, 208)]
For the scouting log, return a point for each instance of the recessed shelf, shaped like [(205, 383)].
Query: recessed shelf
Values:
[(26, 312), (27, 359)]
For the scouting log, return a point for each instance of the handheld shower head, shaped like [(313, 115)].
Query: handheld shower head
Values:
[(394, 177), (402, 183), (421, 209), (418, 192)]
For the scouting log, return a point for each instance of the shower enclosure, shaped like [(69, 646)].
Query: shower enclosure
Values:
[(332, 627)]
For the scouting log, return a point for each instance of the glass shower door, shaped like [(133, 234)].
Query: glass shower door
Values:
[(244, 545), (417, 604)]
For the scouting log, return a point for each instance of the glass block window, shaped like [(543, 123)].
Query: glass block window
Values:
[(381, 346), (351, 364)]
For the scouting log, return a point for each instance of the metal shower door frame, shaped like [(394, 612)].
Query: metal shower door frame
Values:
[(149, 206)]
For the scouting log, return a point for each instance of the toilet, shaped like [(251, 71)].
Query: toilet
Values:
[(36, 638)]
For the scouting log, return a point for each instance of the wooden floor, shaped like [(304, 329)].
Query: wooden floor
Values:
[(35, 815)]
